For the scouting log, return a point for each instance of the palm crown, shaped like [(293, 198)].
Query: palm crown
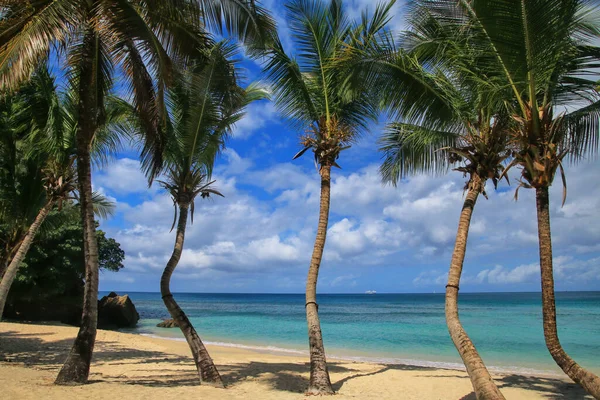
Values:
[(203, 107), (312, 89), (139, 39), (539, 62), (442, 117)]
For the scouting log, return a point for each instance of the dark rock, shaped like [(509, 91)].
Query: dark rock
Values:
[(116, 311), (168, 323)]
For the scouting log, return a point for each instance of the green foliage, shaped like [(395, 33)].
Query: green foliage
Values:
[(538, 58), (204, 105), (55, 266), (22, 191), (37, 147), (312, 89), (143, 41)]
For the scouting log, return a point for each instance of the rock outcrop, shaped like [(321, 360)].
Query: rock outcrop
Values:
[(168, 323), (116, 311)]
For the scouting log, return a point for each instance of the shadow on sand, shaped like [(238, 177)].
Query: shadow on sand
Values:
[(30, 350)]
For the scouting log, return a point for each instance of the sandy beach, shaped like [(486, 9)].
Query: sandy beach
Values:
[(138, 367)]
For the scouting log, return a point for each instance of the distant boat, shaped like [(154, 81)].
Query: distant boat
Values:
[(370, 292)]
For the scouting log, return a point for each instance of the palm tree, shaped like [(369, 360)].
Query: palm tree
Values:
[(481, 145), (538, 57), (46, 141), (204, 107), (313, 92), (21, 187), (141, 39), (443, 119)]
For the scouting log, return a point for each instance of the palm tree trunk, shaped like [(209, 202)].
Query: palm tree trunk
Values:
[(11, 247), (589, 381), (483, 384), (77, 366), (13, 267), (206, 368), (320, 382), (4, 260)]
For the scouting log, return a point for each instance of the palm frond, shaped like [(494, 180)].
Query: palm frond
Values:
[(409, 149), (246, 20), (103, 206), (292, 93), (26, 33)]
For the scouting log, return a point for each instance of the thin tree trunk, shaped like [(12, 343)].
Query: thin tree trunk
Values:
[(10, 249), (4, 261), (483, 384), (589, 381), (206, 368), (320, 382), (13, 267), (76, 369)]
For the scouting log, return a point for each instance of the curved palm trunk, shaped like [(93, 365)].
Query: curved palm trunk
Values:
[(9, 251), (77, 366), (319, 375), (483, 384), (13, 267), (206, 368), (589, 381), (4, 261)]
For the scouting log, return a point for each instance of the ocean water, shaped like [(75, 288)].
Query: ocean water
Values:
[(394, 328)]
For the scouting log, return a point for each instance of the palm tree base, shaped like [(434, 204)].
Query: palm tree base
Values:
[(319, 390), (74, 372)]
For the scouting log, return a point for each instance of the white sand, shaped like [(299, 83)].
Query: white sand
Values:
[(128, 366)]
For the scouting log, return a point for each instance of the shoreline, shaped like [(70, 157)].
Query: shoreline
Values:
[(282, 351), (142, 367)]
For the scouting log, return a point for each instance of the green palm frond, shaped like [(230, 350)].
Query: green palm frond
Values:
[(583, 131), (204, 105), (528, 59), (246, 20), (27, 30), (293, 97), (141, 40), (409, 149), (103, 206), (313, 89)]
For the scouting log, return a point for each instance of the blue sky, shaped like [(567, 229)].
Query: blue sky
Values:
[(258, 239)]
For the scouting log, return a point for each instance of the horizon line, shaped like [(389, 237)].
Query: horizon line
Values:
[(354, 293)]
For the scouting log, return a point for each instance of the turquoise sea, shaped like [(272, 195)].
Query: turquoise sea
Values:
[(393, 328)]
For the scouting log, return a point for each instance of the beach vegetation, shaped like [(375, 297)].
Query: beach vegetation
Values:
[(38, 150), (142, 41), (312, 92), (204, 105)]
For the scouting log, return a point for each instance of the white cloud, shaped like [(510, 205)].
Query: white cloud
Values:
[(273, 249), (371, 225), (235, 163), (431, 278), (258, 115), (122, 177), (347, 281), (501, 275)]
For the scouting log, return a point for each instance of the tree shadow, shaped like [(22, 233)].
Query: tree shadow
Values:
[(281, 376), (384, 367), (30, 350), (160, 369), (551, 388)]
